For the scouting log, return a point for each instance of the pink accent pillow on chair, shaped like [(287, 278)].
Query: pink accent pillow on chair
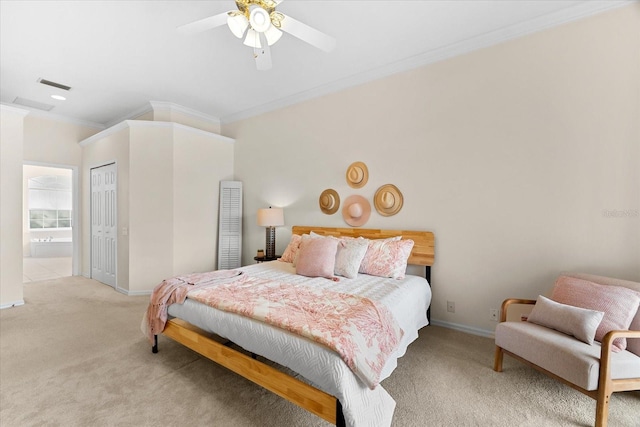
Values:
[(618, 303)]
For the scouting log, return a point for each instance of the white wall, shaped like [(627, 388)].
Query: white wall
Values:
[(515, 156), (11, 149)]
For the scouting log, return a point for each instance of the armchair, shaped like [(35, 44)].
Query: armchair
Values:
[(599, 369)]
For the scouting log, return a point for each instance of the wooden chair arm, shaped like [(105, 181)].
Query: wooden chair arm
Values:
[(506, 303), (605, 385), (607, 341)]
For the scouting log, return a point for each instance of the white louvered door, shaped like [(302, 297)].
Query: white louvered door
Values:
[(230, 225), (103, 224)]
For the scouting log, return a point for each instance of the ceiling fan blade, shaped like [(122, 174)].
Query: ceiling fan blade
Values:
[(262, 55), (204, 24), (308, 34)]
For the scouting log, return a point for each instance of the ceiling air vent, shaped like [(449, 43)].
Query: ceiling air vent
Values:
[(54, 84), (33, 104)]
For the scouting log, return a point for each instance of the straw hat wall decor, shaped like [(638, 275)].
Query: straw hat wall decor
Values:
[(356, 211), (357, 175), (329, 201), (388, 200)]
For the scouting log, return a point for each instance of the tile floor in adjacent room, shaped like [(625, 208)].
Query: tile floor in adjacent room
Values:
[(36, 269)]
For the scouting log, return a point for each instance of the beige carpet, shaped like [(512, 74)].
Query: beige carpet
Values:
[(73, 355)]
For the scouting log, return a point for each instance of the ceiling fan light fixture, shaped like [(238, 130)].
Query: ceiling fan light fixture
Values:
[(238, 24), (252, 39), (259, 19), (272, 35)]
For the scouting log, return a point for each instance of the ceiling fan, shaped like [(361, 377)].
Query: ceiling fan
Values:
[(263, 26)]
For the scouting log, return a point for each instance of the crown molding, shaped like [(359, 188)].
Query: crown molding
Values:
[(15, 110), (131, 116), (491, 38), (171, 107), (34, 112), (105, 133), (128, 124), (163, 106)]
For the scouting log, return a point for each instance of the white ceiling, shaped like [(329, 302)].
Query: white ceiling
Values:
[(119, 55)]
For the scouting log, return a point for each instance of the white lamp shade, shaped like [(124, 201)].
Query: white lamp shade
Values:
[(271, 217), (273, 35), (252, 39), (238, 25)]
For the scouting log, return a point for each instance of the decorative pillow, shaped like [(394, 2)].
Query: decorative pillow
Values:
[(349, 256), (618, 303), (369, 257), (289, 254), (311, 235), (387, 258), (578, 322), (317, 257)]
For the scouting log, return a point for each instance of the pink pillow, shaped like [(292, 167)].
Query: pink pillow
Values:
[(618, 303), (317, 257), (387, 258), (290, 253)]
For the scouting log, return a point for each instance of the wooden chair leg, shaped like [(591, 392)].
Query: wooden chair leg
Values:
[(497, 363), (602, 407)]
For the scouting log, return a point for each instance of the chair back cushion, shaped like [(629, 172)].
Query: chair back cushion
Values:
[(633, 345)]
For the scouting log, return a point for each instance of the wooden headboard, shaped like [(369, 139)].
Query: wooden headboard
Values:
[(423, 251)]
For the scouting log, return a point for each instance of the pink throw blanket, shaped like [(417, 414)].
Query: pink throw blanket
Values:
[(364, 333), (175, 290)]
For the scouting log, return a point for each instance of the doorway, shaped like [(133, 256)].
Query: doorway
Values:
[(50, 208)]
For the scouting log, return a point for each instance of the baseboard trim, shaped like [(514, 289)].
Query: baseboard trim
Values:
[(12, 304), (464, 328), (133, 293)]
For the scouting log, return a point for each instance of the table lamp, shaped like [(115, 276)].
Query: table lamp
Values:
[(270, 218)]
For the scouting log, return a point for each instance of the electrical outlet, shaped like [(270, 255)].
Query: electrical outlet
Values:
[(451, 306), (494, 314)]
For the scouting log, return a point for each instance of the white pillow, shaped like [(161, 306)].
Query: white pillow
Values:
[(579, 322), (349, 256)]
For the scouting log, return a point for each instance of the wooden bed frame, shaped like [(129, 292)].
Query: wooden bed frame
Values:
[(295, 391)]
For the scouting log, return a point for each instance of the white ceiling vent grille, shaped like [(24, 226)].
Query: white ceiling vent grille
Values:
[(54, 84), (33, 104)]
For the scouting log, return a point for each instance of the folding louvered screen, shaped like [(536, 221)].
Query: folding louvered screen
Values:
[(230, 225)]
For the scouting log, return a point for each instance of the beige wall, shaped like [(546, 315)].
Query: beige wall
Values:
[(113, 148), (523, 158), (168, 179), (150, 206), (53, 141), (200, 162), (11, 149)]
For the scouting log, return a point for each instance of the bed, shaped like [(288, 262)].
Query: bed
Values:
[(327, 387)]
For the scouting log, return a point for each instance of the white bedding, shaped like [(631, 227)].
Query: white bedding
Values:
[(408, 300)]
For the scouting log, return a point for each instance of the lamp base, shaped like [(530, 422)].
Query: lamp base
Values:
[(271, 242)]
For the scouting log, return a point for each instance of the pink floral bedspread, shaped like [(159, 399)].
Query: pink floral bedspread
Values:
[(364, 333), (175, 290)]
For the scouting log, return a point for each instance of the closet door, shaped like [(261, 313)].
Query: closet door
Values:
[(230, 225), (104, 224)]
